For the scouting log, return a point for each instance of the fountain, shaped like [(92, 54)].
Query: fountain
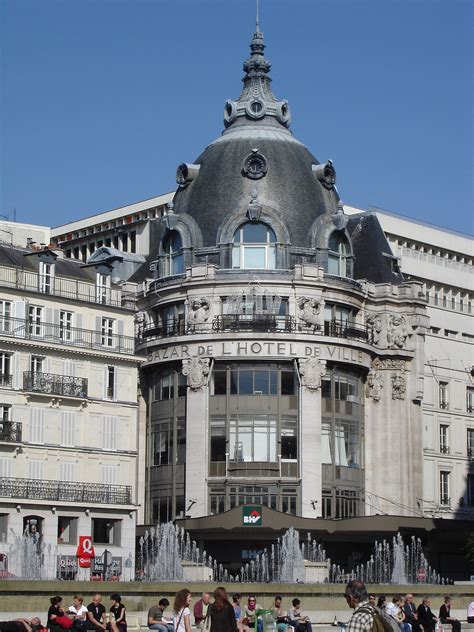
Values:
[(168, 554), (291, 562), (30, 558)]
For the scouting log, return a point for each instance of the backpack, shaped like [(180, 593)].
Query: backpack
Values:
[(379, 622)]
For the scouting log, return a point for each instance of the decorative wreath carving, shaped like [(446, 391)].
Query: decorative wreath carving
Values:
[(255, 165)]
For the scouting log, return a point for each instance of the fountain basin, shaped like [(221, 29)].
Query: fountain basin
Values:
[(194, 572)]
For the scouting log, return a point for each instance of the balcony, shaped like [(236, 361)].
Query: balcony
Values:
[(27, 329), (10, 431), (444, 405), (444, 449), (53, 384), (343, 329), (29, 281), (254, 322), (6, 379), (84, 493)]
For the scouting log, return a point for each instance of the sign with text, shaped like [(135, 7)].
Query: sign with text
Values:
[(252, 516), (85, 551), (114, 569)]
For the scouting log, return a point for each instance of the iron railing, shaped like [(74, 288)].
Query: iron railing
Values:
[(53, 384), (65, 491), (30, 329), (343, 329), (254, 322), (6, 379), (66, 287), (10, 431)]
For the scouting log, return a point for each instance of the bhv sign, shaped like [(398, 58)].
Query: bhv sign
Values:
[(251, 516)]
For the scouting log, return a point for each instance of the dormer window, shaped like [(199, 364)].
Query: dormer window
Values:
[(102, 288), (173, 262), (339, 253), (46, 277), (254, 247)]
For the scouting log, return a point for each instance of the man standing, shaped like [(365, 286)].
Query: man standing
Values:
[(200, 610), (357, 598), (425, 617), (409, 609)]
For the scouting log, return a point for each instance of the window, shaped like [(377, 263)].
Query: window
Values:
[(444, 498), (46, 277), (68, 428), (65, 326), (339, 255), (165, 385), (470, 399), (289, 443), (35, 314), (133, 241), (470, 443), (163, 443), (254, 247), (109, 432), (172, 319), (5, 315), (106, 531), (218, 439), (5, 412), (67, 530), (84, 253), (173, 260), (443, 395), (110, 382), (443, 439), (37, 425), (5, 369), (252, 438), (36, 364), (107, 332), (102, 288)]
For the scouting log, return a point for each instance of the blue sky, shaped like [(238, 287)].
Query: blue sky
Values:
[(102, 99)]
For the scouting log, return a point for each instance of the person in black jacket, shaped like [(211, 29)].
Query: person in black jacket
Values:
[(445, 615), (222, 613), (425, 617), (409, 609)]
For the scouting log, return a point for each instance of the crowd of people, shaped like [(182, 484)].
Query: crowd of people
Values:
[(398, 615), (221, 614)]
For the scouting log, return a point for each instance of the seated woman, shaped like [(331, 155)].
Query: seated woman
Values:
[(78, 612), (57, 619), (118, 622), (300, 622), (250, 614)]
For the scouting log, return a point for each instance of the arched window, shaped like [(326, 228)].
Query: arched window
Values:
[(338, 255), (254, 247), (173, 254)]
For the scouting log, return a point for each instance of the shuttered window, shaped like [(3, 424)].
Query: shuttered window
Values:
[(37, 425), (109, 440), (68, 428)]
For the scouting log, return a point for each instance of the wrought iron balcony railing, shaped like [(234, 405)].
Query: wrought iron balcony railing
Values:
[(6, 379), (65, 287), (65, 491), (343, 329), (53, 384), (10, 431), (28, 329), (253, 322), (444, 405)]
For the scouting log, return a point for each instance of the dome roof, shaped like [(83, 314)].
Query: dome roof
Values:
[(256, 158)]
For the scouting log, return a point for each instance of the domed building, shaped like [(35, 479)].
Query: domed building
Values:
[(284, 351)]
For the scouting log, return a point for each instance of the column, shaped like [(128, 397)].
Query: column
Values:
[(311, 372)]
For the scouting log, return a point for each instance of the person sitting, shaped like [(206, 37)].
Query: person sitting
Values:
[(425, 616), (470, 612), (118, 621), (57, 619), (445, 615), (78, 612), (281, 618), (409, 609), (21, 625), (96, 614), (156, 617), (297, 619), (395, 611), (200, 610), (250, 618)]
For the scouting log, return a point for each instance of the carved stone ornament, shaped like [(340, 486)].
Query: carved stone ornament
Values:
[(254, 209), (309, 312), (139, 322), (398, 385), (199, 311), (397, 332), (311, 371), (255, 165), (375, 327), (374, 384), (391, 363), (196, 370)]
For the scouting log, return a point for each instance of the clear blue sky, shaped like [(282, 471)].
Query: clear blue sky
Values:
[(102, 99)]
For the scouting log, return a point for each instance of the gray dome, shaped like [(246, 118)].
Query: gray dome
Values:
[(281, 176), (289, 191)]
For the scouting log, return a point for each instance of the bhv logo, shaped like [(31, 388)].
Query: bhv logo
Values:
[(251, 516)]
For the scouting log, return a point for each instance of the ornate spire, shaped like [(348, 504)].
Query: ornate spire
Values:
[(257, 100)]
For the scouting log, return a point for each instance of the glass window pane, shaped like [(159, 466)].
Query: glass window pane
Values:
[(255, 233), (246, 383), (271, 263), (234, 376), (261, 443), (288, 445), (219, 382), (254, 257), (178, 264), (287, 383), (273, 382), (325, 443), (236, 257), (333, 265), (261, 382)]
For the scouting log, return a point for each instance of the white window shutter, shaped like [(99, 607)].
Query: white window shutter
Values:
[(109, 474), (37, 425), (35, 470), (66, 472), (6, 467)]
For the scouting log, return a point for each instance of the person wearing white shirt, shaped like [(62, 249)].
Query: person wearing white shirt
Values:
[(78, 609)]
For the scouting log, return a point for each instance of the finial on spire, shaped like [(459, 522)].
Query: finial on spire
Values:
[(257, 20)]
